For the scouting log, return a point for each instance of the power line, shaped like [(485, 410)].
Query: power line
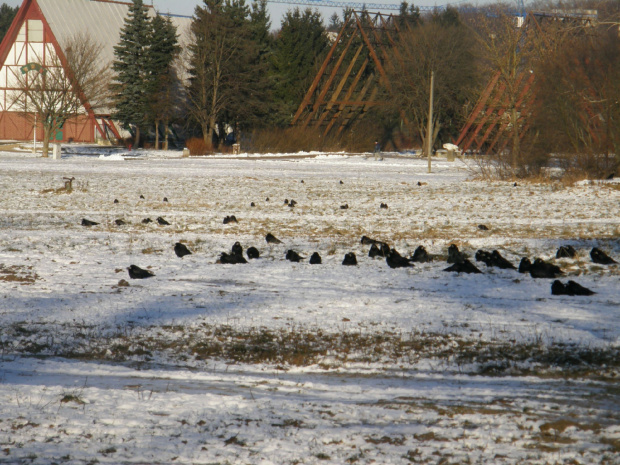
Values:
[(355, 6)]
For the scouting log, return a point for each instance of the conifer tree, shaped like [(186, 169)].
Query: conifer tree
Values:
[(300, 44), (161, 73), (131, 68), (7, 14)]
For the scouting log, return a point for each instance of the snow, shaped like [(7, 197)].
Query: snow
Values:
[(80, 381)]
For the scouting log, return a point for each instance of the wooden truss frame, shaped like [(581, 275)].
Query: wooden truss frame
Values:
[(348, 82), (488, 128)]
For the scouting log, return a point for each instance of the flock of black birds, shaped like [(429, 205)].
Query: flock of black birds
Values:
[(458, 260)]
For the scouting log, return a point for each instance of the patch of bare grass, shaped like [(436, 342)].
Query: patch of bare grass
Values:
[(17, 274), (283, 348)]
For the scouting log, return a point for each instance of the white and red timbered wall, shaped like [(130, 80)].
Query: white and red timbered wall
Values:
[(30, 40)]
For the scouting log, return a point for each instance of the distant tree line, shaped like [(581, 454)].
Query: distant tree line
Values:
[(236, 75)]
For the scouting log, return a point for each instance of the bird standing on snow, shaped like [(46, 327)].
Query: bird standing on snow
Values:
[(396, 260), (600, 257), (455, 255), (293, 256), (542, 269), (271, 239), (463, 267), (252, 253), (181, 250), (570, 288), (350, 259), (135, 272)]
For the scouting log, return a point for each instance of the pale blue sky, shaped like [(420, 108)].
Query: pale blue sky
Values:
[(276, 10)]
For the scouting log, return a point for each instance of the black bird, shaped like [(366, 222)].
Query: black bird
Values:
[(162, 222), (147, 221), (115, 200), (267, 199), (566, 251), (181, 250), (350, 259), (86, 222), (484, 256), (542, 269), (252, 204), (315, 259), (230, 219), (600, 257), (165, 199), (252, 253), (383, 205), (368, 241), (515, 185), (525, 266), (454, 255), (483, 227), (293, 256), (463, 267), (231, 259), (344, 207), (570, 288), (396, 260), (341, 182), (141, 196), (271, 239), (375, 251), (119, 222), (292, 203), (500, 262), (285, 201), (611, 176), (135, 272), (302, 181), (420, 255), (237, 249)]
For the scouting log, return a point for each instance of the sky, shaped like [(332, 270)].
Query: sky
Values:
[(276, 10)]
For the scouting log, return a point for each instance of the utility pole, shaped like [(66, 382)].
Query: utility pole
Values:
[(429, 131), (34, 145)]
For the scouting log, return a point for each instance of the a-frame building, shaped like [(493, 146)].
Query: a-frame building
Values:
[(37, 35)]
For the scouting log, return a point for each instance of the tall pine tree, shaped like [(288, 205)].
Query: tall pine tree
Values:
[(300, 44), (161, 74), (131, 67), (7, 14)]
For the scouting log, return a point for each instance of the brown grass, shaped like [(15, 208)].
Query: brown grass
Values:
[(17, 274)]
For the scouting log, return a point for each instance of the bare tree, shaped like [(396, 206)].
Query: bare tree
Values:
[(65, 86), (446, 51), (509, 48)]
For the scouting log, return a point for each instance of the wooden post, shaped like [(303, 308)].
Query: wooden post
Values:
[(429, 131)]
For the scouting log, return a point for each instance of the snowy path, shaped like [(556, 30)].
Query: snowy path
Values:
[(159, 415)]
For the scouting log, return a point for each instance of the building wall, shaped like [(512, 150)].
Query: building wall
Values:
[(32, 42), (16, 126)]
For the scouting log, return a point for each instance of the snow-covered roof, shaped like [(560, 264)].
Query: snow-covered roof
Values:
[(100, 20)]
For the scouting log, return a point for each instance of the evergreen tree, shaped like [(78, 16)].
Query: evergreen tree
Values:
[(300, 45), (228, 66), (131, 68), (335, 23), (409, 15), (161, 74), (7, 14)]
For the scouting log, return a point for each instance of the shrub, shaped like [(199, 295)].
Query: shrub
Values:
[(197, 146)]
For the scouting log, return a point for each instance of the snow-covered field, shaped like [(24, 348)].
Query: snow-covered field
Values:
[(274, 362)]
